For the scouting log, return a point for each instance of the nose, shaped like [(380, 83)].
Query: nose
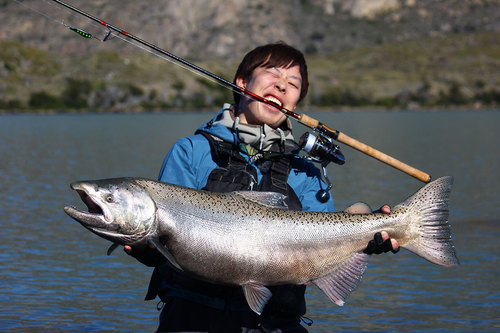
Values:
[(281, 85)]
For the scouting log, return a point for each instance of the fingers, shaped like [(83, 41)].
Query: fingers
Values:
[(381, 243), (385, 209), (128, 248), (395, 244)]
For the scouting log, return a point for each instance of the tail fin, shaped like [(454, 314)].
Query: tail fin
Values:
[(430, 204)]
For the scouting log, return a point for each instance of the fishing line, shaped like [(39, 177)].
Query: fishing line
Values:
[(39, 12), (77, 30), (80, 31), (325, 131)]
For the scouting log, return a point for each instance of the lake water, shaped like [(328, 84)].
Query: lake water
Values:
[(55, 275)]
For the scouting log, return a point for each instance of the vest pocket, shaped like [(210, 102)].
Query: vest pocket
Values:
[(225, 180)]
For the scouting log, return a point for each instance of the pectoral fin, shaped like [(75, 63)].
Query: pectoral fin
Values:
[(163, 250), (257, 296), (112, 248), (342, 281)]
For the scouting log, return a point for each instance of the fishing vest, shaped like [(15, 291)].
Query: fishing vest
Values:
[(234, 173)]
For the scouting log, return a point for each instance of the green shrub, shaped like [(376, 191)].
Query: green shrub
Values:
[(44, 100), (76, 93)]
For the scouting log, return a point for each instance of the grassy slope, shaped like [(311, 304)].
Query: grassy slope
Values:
[(393, 74), (470, 61)]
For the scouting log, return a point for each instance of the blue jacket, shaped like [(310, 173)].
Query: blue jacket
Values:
[(189, 162)]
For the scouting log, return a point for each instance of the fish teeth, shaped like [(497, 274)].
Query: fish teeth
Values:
[(274, 100)]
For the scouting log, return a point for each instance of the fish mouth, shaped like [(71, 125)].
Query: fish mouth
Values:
[(92, 206), (95, 217), (100, 218)]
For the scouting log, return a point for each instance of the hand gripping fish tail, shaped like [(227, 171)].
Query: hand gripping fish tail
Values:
[(429, 229), (251, 240), (426, 233)]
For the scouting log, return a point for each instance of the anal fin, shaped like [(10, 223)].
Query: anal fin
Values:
[(257, 296), (341, 282)]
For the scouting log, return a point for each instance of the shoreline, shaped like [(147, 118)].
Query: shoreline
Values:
[(470, 108)]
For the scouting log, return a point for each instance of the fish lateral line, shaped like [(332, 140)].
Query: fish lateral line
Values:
[(423, 220)]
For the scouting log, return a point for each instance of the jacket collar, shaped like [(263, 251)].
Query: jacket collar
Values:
[(257, 136)]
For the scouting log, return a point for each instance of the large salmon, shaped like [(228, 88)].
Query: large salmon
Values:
[(251, 239)]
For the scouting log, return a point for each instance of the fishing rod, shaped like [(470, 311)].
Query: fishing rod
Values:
[(301, 118)]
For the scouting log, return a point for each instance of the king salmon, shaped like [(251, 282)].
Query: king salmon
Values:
[(250, 239)]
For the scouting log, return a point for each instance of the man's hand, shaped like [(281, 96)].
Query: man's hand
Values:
[(381, 242), (127, 249), (384, 209), (149, 256)]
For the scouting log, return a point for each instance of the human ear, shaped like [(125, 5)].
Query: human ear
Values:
[(241, 81)]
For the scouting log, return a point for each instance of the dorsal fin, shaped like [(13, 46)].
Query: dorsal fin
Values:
[(268, 199)]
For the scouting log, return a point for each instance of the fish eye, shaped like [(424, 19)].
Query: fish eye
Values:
[(109, 198)]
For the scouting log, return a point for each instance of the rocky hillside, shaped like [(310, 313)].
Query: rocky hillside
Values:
[(390, 53), (215, 29)]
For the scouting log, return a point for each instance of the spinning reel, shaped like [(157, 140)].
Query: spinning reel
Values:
[(321, 149)]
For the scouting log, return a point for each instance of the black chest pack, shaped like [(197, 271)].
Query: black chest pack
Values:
[(234, 173)]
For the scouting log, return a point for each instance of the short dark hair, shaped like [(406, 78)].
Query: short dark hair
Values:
[(277, 54)]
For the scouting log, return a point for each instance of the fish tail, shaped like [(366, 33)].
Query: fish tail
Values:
[(433, 232)]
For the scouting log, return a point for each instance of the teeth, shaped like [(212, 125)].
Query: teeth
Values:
[(274, 100)]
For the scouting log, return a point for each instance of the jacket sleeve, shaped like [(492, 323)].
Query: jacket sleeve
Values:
[(188, 163)]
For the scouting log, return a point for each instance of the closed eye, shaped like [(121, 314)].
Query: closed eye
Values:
[(274, 72)]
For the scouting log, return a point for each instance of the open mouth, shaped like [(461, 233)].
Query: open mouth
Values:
[(91, 205), (275, 102), (95, 216)]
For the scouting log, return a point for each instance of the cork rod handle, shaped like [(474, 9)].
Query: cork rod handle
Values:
[(340, 137)]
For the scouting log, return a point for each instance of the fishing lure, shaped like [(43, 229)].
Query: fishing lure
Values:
[(301, 118), (86, 34)]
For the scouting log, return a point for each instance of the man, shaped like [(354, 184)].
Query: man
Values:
[(246, 146)]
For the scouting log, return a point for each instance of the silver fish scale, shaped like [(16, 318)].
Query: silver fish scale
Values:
[(243, 238), (226, 238)]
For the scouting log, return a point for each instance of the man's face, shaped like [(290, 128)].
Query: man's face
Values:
[(280, 85)]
